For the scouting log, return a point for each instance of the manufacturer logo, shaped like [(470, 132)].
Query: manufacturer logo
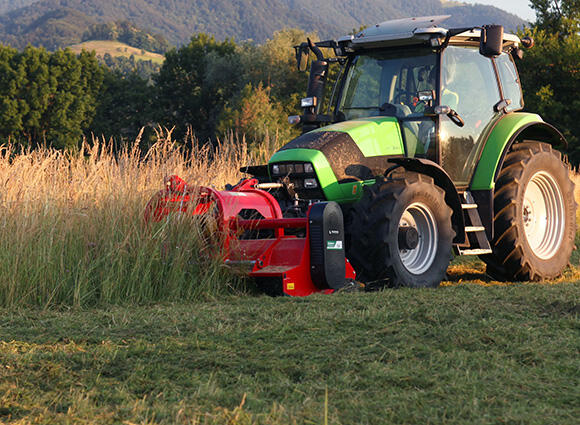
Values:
[(333, 244)]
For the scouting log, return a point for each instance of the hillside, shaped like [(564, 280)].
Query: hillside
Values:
[(117, 49), (64, 21), (8, 5)]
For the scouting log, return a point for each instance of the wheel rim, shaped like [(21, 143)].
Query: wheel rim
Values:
[(543, 215), (418, 260)]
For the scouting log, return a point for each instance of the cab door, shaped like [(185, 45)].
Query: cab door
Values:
[(469, 86)]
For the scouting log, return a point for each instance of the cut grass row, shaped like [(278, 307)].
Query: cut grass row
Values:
[(460, 354)]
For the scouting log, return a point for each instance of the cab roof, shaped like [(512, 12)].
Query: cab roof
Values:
[(419, 30)]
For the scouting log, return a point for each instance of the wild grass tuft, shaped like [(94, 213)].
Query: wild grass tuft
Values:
[(72, 230)]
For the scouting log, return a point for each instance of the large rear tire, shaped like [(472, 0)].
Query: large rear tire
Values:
[(401, 233), (534, 215)]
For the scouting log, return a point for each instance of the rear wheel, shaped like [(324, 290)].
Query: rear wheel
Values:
[(401, 233), (534, 215)]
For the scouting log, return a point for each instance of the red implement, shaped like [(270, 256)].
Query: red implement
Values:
[(280, 259)]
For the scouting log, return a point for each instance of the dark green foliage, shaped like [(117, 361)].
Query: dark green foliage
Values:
[(550, 71), (53, 29), (127, 66), (127, 33), (560, 17), (126, 103), (47, 97), (195, 83), (253, 20)]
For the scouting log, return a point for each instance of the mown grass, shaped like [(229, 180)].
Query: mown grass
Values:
[(460, 354)]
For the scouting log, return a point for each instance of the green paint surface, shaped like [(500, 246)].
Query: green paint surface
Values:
[(495, 145), (374, 136)]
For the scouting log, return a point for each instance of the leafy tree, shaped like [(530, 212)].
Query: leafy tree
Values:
[(126, 103), (256, 115), (560, 17), (12, 106), (196, 82), (47, 98), (274, 65), (126, 32), (550, 72), (128, 66)]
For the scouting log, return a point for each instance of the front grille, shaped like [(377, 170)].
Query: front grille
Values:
[(295, 171)]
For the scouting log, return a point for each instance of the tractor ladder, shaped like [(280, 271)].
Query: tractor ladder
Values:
[(476, 239)]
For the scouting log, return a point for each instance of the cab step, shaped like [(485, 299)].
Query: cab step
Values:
[(478, 244), (469, 206), (476, 251)]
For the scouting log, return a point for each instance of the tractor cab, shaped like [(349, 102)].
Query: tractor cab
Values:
[(445, 87)]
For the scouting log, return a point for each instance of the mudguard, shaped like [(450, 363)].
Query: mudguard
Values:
[(513, 126)]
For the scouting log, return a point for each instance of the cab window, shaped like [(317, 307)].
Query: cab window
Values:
[(510, 82)]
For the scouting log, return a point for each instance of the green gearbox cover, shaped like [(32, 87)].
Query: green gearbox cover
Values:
[(346, 154)]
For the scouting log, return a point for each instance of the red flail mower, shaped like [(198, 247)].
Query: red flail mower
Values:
[(292, 256)]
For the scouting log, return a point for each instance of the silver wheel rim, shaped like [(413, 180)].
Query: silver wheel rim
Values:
[(543, 215), (419, 259)]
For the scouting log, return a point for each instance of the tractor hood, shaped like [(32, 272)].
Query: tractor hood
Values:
[(350, 147), (346, 152)]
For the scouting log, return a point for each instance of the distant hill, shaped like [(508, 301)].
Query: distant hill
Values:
[(121, 57), (117, 49), (8, 5), (64, 21)]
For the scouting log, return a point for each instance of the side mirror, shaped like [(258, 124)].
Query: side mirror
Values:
[(302, 56), (491, 41), (426, 96)]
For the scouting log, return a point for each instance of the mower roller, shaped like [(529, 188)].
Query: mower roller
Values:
[(423, 150)]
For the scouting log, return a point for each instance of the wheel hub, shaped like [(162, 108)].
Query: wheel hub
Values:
[(418, 238), (408, 238)]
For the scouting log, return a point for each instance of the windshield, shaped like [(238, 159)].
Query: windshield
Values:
[(387, 83)]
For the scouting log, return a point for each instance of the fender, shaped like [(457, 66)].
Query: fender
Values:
[(512, 127), (442, 179)]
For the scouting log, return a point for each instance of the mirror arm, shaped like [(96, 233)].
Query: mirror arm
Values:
[(456, 118)]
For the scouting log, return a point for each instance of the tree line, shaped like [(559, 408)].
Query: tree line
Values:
[(214, 87)]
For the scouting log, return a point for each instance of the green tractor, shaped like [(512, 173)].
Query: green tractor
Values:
[(421, 150), (423, 145)]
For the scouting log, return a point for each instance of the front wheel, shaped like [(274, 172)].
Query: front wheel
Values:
[(401, 233), (534, 215)]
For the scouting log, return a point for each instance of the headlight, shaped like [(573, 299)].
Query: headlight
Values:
[(310, 184), (292, 169), (308, 102)]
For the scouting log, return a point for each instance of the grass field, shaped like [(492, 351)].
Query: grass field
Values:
[(104, 320), (464, 354), (116, 48)]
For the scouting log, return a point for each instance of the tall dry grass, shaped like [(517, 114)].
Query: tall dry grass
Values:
[(72, 230)]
